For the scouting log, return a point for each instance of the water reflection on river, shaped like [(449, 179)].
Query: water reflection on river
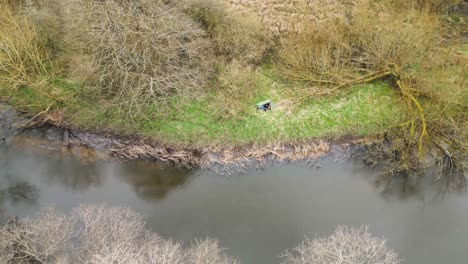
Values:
[(256, 215)]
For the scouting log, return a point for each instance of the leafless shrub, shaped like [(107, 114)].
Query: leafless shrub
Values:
[(158, 250), (109, 234), (141, 51), (98, 235), (344, 246), (43, 239), (208, 252)]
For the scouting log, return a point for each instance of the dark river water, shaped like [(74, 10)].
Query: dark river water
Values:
[(255, 215)]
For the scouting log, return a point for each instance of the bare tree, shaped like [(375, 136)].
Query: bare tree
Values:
[(140, 51), (97, 234), (43, 239), (208, 252), (344, 246), (109, 234), (158, 250)]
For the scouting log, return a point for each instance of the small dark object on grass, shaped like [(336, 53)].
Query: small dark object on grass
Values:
[(264, 105)]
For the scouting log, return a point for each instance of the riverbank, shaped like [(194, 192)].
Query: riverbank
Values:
[(89, 146), (136, 148), (189, 97)]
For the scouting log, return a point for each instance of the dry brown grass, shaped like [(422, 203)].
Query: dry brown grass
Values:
[(236, 35), (282, 16), (236, 84), (439, 6), (24, 57), (368, 39)]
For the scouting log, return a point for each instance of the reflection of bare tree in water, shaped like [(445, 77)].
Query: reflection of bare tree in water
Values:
[(401, 186), (16, 193), (14, 189), (439, 180), (155, 181), (405, 186), (77, 170), (19, 192), (449, 179), (72, 167)]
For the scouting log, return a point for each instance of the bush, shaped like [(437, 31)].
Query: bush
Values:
[(98, 235), (43, 239), (105, 235), (141, 51), (344, 246)]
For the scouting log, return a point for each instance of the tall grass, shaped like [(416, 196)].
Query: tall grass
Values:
[(241, 43), (236, 35), (369, 38), (24, 58), (235, 86), (438, 6)]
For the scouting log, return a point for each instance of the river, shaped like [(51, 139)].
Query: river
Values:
[(255, 215)]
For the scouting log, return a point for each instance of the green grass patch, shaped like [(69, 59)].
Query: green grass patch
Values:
[(359, 111)]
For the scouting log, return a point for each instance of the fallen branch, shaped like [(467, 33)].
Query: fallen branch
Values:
[(33, 122)]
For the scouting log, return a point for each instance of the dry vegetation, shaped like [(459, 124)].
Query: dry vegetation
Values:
[(241, 43), (236, 36), (143, 58), (24, 57), (141, 51), (344, 246), (106, 235), (332, 45), (98, 235), (282, 17)]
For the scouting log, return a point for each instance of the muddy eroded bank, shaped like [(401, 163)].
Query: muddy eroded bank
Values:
[(16, 128), (17, 125)]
